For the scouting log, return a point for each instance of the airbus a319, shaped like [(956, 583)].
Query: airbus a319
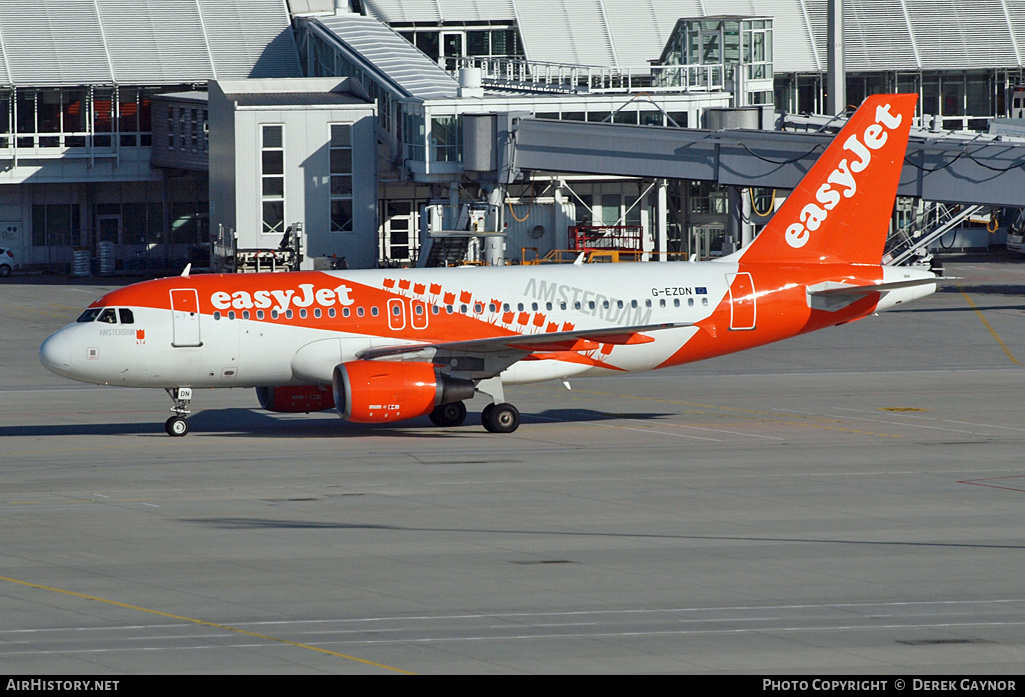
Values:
[(385, 345)]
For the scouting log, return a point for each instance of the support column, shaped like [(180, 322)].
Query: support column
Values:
[(836, 76), (662, 220), (494, 245)]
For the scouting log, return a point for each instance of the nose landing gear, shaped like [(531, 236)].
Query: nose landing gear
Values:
[(178, 425)]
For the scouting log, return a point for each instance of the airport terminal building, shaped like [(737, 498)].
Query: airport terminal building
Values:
[(132, 133)]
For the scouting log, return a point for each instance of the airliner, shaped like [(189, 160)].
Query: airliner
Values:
[(385, 345)]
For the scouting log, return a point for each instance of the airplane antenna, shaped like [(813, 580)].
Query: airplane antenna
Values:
[(188, 267), (580, 260)]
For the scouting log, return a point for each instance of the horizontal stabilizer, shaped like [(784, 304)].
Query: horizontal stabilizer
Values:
[(848, 290)]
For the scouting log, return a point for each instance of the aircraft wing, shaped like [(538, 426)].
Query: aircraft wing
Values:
[(516, 346)]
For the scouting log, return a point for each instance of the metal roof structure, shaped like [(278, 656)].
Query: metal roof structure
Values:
[(143, 42), (395, 60), (878, 34)]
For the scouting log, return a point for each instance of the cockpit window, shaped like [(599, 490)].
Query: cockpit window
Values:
[(108, 316), (127, 317), (89, 315)]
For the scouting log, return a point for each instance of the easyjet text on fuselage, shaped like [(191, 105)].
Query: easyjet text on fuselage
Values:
[(264, 299)]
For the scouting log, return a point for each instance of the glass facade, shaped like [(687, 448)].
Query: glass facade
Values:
[(446, 45), (59, 118), (719, 53), (960, 100)]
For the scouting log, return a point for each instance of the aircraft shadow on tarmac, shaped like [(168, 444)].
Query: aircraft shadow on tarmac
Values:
[(269, 523), (258, 424), (985, 289), (935, 310)]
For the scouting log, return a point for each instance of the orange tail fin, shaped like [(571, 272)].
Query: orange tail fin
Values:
[(840, 211)]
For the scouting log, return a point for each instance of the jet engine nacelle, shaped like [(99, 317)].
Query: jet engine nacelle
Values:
[(383, 391), (299, 398)]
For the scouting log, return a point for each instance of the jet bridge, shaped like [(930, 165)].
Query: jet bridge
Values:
[(938, 167)]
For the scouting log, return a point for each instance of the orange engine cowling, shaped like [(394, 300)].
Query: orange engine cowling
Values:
[(383, 391), (296, 398)]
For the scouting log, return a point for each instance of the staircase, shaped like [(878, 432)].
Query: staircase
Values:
[(449, 250), (910, 244)]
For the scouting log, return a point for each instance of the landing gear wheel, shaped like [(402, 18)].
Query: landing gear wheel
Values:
[(451, 414), (176, 426), (485, 415), (500, 418)]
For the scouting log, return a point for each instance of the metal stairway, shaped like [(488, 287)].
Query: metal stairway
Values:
[(909, 245), (449, 250)]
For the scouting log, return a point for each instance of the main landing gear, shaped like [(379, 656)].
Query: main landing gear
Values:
[(451, 414), (500, 418), (496, 418), (178, 425)]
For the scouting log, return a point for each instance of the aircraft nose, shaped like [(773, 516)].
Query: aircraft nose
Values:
[(55, 353)]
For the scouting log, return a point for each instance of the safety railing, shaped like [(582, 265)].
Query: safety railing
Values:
[(538, 76)]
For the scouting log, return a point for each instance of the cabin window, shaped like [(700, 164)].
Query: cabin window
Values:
[(259, 314), (316, 312), (374, 311), (302, 313), (217, 315), (231, 315), (245, 314)]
